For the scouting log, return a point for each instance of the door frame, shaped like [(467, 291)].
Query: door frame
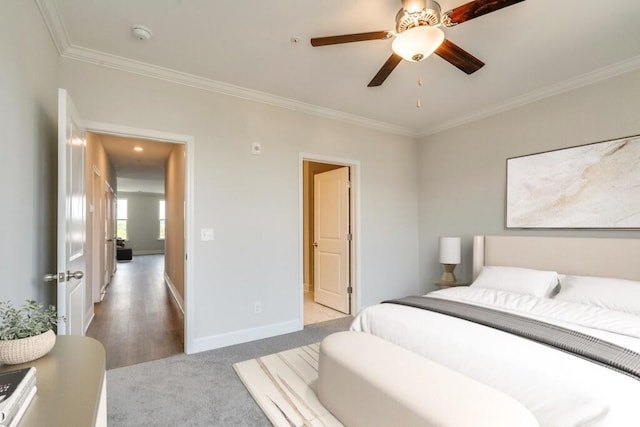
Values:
[(109, 225), (189, 142), (354, 206), (97, 225)]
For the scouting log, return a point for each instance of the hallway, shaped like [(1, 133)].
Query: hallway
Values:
[(138, 320)]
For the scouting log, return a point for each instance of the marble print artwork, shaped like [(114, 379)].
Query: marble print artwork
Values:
[(591, 186)]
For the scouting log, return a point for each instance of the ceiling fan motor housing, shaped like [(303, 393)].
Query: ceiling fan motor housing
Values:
[(430, 15)]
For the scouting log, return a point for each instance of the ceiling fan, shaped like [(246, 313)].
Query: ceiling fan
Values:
[(418, 34)]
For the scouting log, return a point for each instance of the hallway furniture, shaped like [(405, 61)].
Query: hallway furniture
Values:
[(123, 253), (71, 382)]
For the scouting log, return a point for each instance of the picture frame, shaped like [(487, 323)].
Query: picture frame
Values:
[(591, 186)]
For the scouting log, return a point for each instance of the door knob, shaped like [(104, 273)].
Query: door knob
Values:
[(53, 277), (315, 244), (76, 275)]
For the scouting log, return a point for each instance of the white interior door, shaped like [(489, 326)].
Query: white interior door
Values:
[(331, 238), (71, 218)]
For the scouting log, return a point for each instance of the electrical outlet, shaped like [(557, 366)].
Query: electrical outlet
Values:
[(257, 307)]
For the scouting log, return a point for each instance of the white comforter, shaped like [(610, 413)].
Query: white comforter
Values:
[(561, 390)]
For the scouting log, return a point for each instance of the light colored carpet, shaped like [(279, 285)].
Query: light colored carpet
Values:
[(201, 389), (283, 385)]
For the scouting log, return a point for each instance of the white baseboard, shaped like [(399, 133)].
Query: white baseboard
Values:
[(103, 292), (88, 321), (174, 292), (238, 337), (149, 252)]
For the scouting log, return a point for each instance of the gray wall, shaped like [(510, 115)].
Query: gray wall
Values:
[(253, 202), (463, 170), (142, 222), (28, 125)]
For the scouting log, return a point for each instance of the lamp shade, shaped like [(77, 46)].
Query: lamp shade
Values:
[(417, 43), (450, 248)]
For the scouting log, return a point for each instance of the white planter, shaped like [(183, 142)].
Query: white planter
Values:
[(25, 350)]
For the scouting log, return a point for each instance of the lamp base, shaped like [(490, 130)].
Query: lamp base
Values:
[(447, 275)]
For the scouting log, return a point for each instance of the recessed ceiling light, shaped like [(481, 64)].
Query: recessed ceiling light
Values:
[(138, 148)]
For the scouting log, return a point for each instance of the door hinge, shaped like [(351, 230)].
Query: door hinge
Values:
[(349, 289), (349, 236)]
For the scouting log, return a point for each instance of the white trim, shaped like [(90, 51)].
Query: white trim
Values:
[(356, 273), (246, 335), (103, 291), (88, 320), (174, 292), (166, 74), (67, 50), (149, 252), (189, 143), (586, 79), (97, 236), (52, 20)]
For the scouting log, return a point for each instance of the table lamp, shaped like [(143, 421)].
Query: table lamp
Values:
[(450, 249)]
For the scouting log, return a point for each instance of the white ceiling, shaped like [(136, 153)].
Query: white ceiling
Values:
[(532, 49), (137, 171)]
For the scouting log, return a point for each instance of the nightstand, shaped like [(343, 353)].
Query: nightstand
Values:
[(444, 285)]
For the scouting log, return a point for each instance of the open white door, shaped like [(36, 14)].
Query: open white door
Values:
[(331, 239), (71, 218)]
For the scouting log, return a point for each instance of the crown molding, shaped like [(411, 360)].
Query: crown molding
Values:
[(53, 21), (161, 73), (67, 50), (586, 79)]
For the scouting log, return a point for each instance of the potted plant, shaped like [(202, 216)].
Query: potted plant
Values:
[(26, 332)]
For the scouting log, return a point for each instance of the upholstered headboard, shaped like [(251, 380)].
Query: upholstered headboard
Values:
[(619, 258)]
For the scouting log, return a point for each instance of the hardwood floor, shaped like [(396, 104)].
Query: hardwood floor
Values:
[(138, 320)]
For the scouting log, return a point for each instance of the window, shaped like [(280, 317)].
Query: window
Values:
[(161, 216), (121, 219)]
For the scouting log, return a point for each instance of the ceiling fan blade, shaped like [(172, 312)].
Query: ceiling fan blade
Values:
[(386, 69), (349, 38), (458, 57), (474, 9)]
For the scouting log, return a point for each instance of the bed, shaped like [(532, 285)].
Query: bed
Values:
[(596, 292)]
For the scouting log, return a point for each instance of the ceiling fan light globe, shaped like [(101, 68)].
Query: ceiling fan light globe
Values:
[(413, 6), (417, 43)]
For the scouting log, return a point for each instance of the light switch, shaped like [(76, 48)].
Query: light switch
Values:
[(206, 234)]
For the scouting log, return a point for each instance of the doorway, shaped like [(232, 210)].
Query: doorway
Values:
[(143, 309), (329, 248)]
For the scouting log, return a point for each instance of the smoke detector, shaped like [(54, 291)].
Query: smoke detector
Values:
[(141, 32)]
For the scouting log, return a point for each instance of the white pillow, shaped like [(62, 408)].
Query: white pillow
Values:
[(613, 294), (538, 283)]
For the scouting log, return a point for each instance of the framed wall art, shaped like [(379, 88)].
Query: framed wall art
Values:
[(589, 186)]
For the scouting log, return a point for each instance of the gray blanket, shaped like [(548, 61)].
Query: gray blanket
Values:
[(582, 345)]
